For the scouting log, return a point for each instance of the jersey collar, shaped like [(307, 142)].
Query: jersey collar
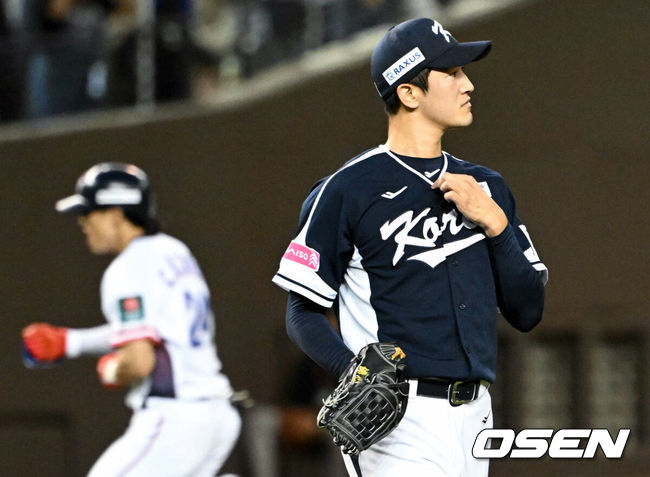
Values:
[(445, 164)]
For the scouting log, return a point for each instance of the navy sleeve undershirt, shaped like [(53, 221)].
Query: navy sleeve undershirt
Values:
[(520, 290), (309, 328)]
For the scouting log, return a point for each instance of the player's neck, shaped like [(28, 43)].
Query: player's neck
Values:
[(414, 138), (128, 233)]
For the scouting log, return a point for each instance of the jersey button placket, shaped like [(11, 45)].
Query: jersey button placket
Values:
[(468, 348)]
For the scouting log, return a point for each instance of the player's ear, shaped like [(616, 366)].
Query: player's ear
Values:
[(408, 95), (116, 213)]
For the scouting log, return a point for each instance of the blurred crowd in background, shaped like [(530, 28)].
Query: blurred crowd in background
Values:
[(64, 56)]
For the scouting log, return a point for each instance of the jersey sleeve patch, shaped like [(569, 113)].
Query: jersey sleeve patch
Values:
[(484, 185), (131, 309), (303, 255)]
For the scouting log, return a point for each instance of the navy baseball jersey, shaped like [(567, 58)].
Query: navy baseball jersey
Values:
[(403, 264)]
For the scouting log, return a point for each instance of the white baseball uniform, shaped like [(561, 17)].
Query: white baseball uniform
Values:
[(183, 422)]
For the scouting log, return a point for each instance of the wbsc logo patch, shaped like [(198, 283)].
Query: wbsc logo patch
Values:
[(131, 308), (303, 255)]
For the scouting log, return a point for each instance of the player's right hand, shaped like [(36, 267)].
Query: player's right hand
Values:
[(107, 370), (44, 343), (472, 201)]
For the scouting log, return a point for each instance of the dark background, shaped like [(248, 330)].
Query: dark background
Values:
[(560, 110)]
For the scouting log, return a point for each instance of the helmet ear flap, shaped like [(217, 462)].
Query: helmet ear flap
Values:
[(145, 218)]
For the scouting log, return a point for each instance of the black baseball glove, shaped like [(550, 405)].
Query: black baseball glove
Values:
[(370, 399)]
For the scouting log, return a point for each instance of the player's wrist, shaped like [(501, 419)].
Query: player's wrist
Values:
[(73, 343), (496, 224)]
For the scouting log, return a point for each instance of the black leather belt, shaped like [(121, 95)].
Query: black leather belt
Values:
[(457, 392)]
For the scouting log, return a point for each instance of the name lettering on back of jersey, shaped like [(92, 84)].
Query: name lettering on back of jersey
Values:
[(303, 255), (131, 308), (425, 236), (392, 195), (177, 266)]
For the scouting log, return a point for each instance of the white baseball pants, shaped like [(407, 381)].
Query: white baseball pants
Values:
[(174, 438), (434, 439)]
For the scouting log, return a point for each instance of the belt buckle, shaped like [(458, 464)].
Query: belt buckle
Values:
[(454, 392)]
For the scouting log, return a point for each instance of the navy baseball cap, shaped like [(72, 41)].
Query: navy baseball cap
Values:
[(413, 45)]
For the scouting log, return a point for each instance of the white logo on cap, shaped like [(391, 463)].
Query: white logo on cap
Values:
[(437, 29), (402, 66)]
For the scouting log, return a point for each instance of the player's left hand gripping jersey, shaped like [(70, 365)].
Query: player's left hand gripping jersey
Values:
[(405, 265), (155, 290)]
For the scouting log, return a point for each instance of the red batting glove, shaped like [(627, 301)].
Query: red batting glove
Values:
[(107, 371), (45, 342)]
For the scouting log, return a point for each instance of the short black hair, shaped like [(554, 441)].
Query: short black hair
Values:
[(150, 225), (392, 103)]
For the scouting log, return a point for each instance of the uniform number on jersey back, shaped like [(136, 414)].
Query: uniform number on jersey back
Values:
[(200, 329)]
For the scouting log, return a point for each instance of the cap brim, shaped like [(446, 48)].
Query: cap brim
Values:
[(74, 204), (462, 54)]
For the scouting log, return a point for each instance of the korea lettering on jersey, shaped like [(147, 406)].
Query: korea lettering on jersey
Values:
[(154, 290), (375, 235)]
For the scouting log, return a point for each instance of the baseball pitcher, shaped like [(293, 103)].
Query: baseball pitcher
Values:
[(417, 251)]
